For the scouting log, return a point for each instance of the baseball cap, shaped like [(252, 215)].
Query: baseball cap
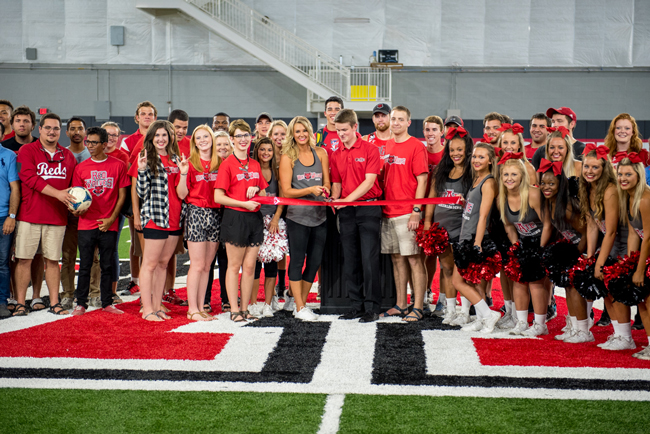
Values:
[(566, 111), (263, 115), (381, 108), (454, 120)]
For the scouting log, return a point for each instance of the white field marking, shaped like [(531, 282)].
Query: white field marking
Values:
[(483, 392), (332, 414), (33, 319)]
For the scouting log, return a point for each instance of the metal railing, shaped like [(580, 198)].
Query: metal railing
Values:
[(365, 84)]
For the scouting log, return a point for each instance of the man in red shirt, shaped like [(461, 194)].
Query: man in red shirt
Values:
[(145, 114), (6, 108), (354, 168), (538, 125), (382, 134), (45, 170), (406, 170), (23, 121), (180, 120), (107, 181), (327, 137)]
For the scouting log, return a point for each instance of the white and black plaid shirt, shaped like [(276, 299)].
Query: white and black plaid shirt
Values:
[(154, 192)]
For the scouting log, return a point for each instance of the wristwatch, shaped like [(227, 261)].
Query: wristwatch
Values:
[(416, 209), (12, 216)]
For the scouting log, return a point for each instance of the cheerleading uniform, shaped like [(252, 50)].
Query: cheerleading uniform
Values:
[(636, 223), (531, 226), (472, 212), (270, 268), (527, 253), (449, 216), (619, 248)]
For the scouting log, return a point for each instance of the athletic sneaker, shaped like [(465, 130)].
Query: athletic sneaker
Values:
[(66, 303), (507, 322), (490, 322), (449, 316), (306, 314), (117, 299), (132, 289), (580, 337), (95, 302), (440, 309), (112, 309), (255, 309), (568, 326), (609, 338), (289, 304), (267, 311), (566, 335), (620, 343), (536, 329), (552, 310), (473, 326), (79, 310), (274, 304), (462, 318), (520, 327), (643, 354)]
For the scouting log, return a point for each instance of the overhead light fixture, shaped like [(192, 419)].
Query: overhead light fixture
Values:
[(351, 20)]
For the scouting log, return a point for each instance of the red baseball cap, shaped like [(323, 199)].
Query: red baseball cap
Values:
[(566, 111)]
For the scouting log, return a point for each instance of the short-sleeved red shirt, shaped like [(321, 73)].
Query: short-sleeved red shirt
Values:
[(379, 143), (235, 179), (120, 155), (103, 179), (403, 162), (129, 143), (350, 166), (433, 159), (200, 186), (530, 151)]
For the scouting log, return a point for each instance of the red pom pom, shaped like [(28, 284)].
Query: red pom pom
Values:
[(582, 264), (491, 267), (512, 267), (622, 268), (434, 241)]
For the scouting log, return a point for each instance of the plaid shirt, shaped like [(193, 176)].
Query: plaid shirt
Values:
[(154, 192)]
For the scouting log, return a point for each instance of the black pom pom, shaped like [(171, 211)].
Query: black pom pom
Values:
[(529, 257), (574, 186), (557, 259)]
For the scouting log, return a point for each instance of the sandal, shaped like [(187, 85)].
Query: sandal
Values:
[(207, 308), (205, 314), (36, 302), (402, 312), (61, 310), (415, 315), (247, 315), (164, 315), (153, 320), (239, 315), (190, 316), (20, 310), (225, 307)]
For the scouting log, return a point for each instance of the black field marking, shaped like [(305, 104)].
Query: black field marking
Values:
[(399, 360), (294, 360)]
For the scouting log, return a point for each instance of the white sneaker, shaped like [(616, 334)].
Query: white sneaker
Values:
[(449, 317), (289, 304), (274, 304), (473, 326), (306, 314), (490, 322), (643, 354), (255, 309), (66, 303), (462, 318), (609, 338), (579, 337), (591, 323), (535, 329), (568, 325), (267, 311), (507, 322), (521, 327), (440, 310), (95, 302), (620, 343)]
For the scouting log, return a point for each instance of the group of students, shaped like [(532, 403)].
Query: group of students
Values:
[(518, 201)]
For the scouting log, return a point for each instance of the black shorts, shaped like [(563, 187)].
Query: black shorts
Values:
[(160, 234), (242, 229)]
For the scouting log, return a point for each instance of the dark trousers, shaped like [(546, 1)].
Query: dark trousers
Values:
[(223, 266), (306, 246), (360, 229), (105, 242)]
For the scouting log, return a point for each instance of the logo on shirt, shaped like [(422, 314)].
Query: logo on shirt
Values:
[(169, 170), (431, 167), (526, 228), (44, 171), (392, 159), (98, 182), (334, 144), (601, 226), (468, 210), (247, 176), (639, 232), (205, 176), (570, 236), (310, 175), (360, 160)]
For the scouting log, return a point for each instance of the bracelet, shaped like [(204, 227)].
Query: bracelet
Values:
[(183, 174)]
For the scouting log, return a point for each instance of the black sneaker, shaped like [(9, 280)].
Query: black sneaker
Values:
[(638, 323), (472, 311), (552, 310), (369, 317), (353, 314), (604, 320)]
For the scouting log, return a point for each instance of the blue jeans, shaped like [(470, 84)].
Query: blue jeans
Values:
[(5, 256)]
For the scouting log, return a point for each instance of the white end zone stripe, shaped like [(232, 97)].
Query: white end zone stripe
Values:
[(332, 414)]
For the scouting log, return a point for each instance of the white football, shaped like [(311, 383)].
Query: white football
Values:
[(83, 198)]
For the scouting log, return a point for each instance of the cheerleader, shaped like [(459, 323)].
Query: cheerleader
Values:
[(304, 173), (519, 205), (559, 148), (159, 170), (635, 207), (512, 140), (623, 136), (264, 154), (473, 234), (452, 177), (242, 228), (203, 220), (599, 206), (560, 204)]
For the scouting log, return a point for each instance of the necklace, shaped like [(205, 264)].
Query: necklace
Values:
[(245, 166)]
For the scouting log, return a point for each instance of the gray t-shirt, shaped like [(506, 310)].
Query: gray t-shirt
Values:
[(305, 177), (449, 216), (472, 211), (81, 156), (271, 191)]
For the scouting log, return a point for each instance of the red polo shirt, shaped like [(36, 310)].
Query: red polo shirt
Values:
[(350, 166)]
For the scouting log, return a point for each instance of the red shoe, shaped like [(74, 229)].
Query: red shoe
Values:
[(79, 310), (110, 309), (172, 298), (133, 289)]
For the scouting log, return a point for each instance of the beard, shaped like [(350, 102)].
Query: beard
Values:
[(382, 127)]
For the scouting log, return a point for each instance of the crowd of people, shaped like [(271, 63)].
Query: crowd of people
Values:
[(552, 212)]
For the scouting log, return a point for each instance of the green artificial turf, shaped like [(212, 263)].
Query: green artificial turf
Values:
[(125, 411), (123, 247), (423, 414)]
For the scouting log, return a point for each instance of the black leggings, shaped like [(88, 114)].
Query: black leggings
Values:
[(223, 265), (305, 242), (270, 270)]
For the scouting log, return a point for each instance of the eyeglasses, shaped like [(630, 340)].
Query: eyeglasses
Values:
[(55, 129), (242, 136), (113, 136), (92, 143)]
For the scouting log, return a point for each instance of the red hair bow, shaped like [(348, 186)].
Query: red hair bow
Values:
[(601, 151), (563, 130), (511, 156), (453, 131), (545, 165), (516, 128), (487, 139), (635, 157)]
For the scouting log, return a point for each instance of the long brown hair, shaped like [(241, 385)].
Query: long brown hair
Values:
[(608, 177), (195, 155), (172, 146), (258, 144)]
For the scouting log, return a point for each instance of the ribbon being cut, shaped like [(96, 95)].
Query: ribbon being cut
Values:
[(302, 202)]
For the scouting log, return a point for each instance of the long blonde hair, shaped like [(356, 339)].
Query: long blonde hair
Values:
[(523, 190), (635, 197), (195, 155), (569, 163), (290, 146)]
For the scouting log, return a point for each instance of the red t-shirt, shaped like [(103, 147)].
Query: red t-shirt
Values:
[(38, 169), (235, 180), (530, 151), (128, 144), (9, 135), (184, 147), (350, 166), (433, 159), (120, 155), (379, 143), (200, 186), (173, 178), (403, 163), (103, 179)]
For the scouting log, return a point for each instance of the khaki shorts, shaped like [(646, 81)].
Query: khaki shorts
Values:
[(396, 237), (30, 235)]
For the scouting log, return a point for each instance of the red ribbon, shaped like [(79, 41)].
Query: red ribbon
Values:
[(497, 150), (426, 201), (516, 128), (511, 156), (453, 131), (487, 139), (635, 157), (545, 165), (601, 151), (563, 130)]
